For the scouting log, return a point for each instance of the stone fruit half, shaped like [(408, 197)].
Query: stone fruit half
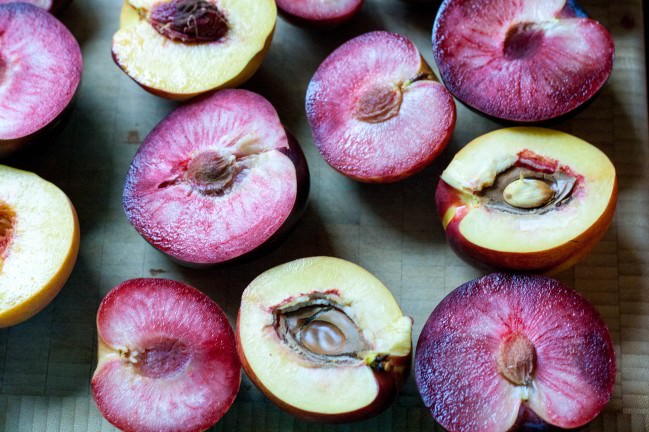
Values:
[(39, 243), (167, 359), (181, 48), (376, 111), (506, 351), (523, 61), (216, 179), (324, 339), (526, 199), (318, 12), (52, 6), (40, 70)]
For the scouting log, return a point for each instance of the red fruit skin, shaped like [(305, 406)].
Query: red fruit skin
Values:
[(320, 23), (389, 385), (594, 357), (464, 93), (225, 341), (550, 261)]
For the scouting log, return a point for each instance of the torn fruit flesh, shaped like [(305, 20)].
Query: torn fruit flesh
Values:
[(7, 226), (162, 359)]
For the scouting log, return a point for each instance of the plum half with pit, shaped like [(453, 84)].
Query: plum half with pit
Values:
[(521, 61), (526, 199), (317, 12), (505, 350), (40, 71), (324, 339), (167, 359), (216, 180), (376, 110)]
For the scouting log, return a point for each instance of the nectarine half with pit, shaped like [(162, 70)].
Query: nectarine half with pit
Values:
[(526, 199), (216, 180), (522, 61), (376, 110), (324, 339), (167, 360), (40, 71), (181, 48), (510, 352), (39, 243)]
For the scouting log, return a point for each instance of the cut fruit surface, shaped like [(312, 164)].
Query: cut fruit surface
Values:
[(376, 111), (319, 12), (526, 199), (521, 61), (39, 243), (40, 70), (324, 339), (167, 358), (503, 343), (182, 48), (216, 179)]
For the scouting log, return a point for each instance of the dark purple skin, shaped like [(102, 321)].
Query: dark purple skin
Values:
[(456, 367), (546, 102)]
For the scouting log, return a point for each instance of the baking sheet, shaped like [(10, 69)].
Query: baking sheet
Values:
[(46, 363)]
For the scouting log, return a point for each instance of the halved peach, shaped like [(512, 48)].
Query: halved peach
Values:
[(324, 339), (181, 48), (527, 199), (39, 242)]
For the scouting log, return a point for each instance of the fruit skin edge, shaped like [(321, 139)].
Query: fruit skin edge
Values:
[(48, 292), (549, 261), (323, 24), (388, 390), (246, 73)]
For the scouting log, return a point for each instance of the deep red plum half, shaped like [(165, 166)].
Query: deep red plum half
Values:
[(376, 112), (216, 180), (167, 358), (317, 12), (40, 71), (522, 61), (558, 351)]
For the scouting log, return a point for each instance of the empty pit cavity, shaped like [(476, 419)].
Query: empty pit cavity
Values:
[(7, 227), (161, 360), (522, 41), (517, 359), (189, 21), (378, 103), (320, 330)]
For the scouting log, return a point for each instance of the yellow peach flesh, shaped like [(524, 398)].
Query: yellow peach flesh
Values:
[(477, 164), (185, 70), (293, 379), (43, 248)]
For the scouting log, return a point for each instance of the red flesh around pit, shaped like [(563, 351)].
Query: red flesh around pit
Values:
[(456, 367), (319, 12), (521, 61), (40, 70), (199, 228), (388, 150), (191, 373)]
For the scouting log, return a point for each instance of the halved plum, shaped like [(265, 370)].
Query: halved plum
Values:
[(52, 6), (40, 71), (167, 358), (216, 179), (523, 61), (318, 12), (376, 111), (507, 347)]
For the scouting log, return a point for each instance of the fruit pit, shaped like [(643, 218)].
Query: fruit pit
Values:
[(517, 359), (163, 359), (523, 191), (378, 103), (189, 21), (320, 330)]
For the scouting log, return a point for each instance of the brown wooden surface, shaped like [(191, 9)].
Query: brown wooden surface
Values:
[(46, 363)]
